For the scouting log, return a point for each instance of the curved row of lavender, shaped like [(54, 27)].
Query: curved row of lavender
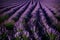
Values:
[(28, 20)]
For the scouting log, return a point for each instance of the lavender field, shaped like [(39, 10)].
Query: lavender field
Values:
[(29, 20)]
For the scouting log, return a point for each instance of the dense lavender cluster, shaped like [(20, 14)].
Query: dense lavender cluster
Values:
[(30, 20)]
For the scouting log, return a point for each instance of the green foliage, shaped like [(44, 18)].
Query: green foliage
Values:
[(20, 30), (58, 17), (2, 18), (46, 37), (15, 19), (52, 36), (9, 26), (17, 38), (24, 37), (58, 26), (3, 36), (23, 22)]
